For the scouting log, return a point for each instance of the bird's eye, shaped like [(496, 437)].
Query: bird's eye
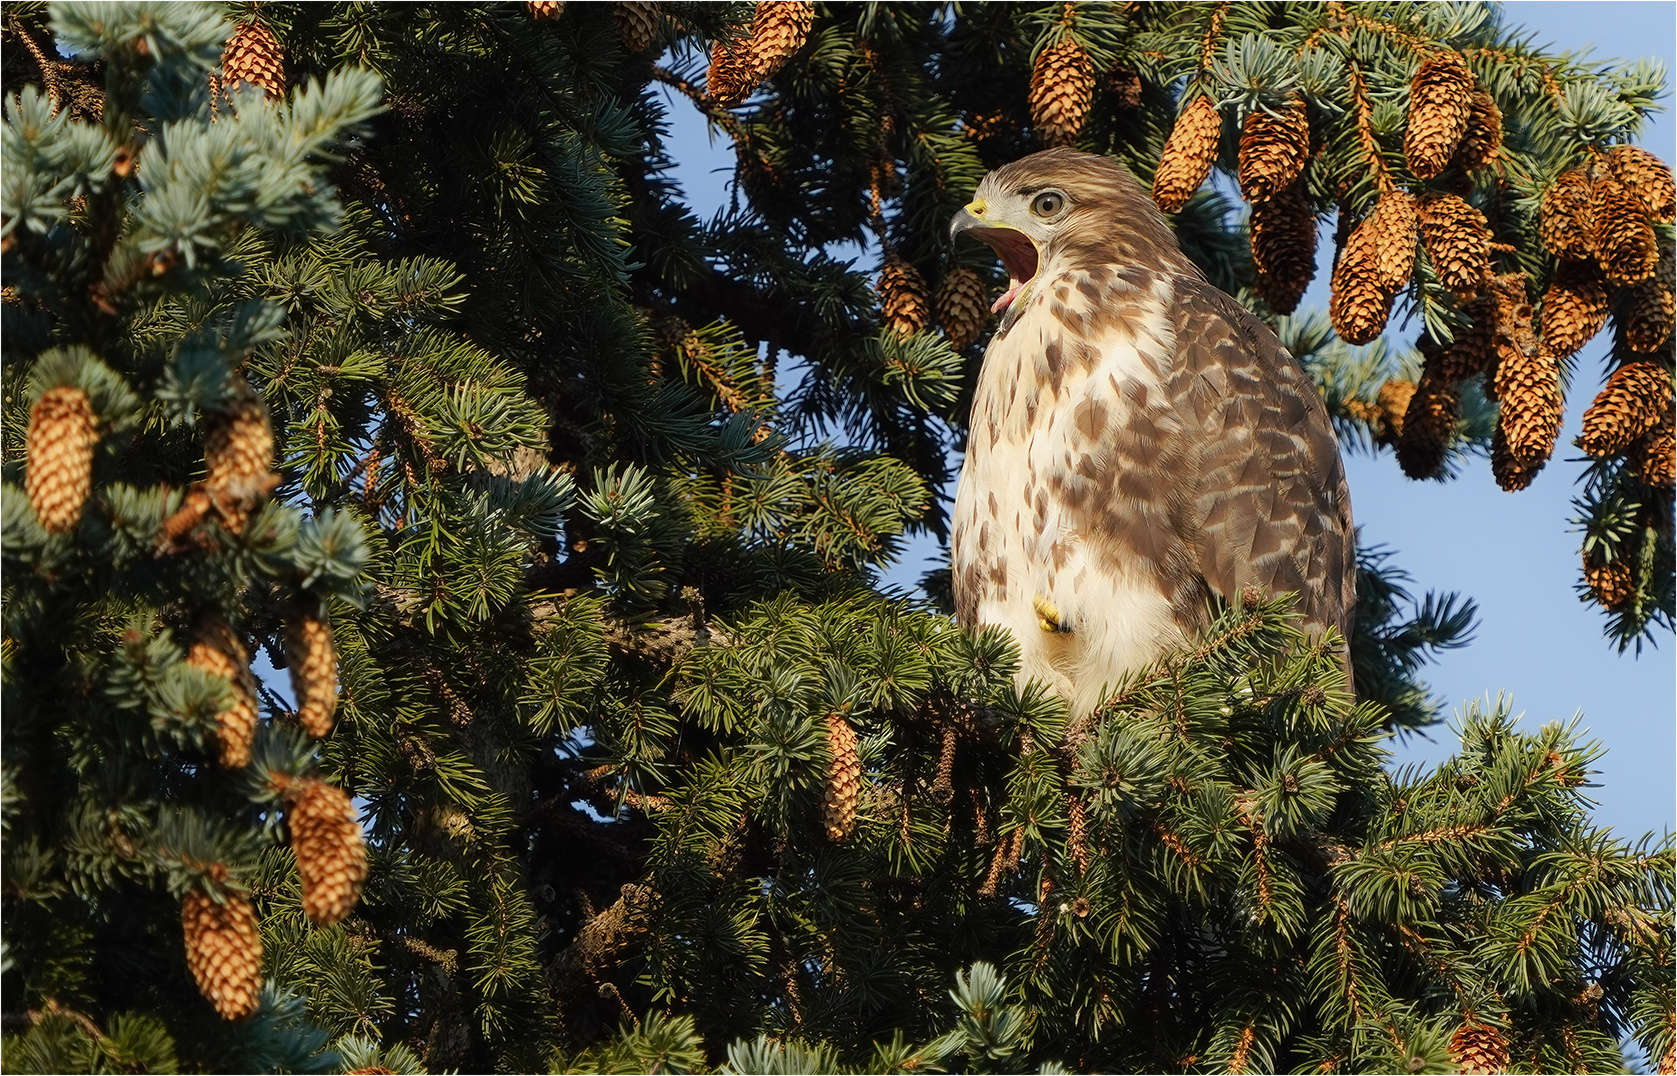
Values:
[(1048, 203)]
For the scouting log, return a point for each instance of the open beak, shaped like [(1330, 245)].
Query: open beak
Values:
[(1016, 250)]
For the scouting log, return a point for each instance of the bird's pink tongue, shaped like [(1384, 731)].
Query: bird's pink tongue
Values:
[(1007, 296)]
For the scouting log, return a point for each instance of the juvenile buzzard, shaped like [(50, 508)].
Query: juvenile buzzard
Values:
[(1139, 442)]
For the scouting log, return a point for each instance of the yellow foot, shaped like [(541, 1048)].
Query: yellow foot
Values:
[(1048, 615)]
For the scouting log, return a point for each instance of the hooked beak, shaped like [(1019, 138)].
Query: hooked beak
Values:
[(1016, 249)]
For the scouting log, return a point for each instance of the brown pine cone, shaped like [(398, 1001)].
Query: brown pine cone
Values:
[(1440, 102), (253, 57), (1062, 89), (1625, 243), (217, 651), (1649, 312), (1479, 1048), (312, 661), (1077, 833), (1359, 302), (1668, 1061), (1189, 153), (637, 23), (1574, 308), (63, 431), (1392, 230), (1635, 399), (1565, 224), (1284, 248), (1474, 347), (1391, 404), (1529, 388), (1653, 456), (962, 306), (1273, 150), (223, 950), (1613, 584), (1458, 243), (331, 857), (1482, 141), (733, 72), (1510, 474), (1647, 177), (902, 297), (1428, 427), (238, 456), (545, 9), (778, 30), (844, 779)]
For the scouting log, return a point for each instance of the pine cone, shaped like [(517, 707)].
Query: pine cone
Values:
[(312, 661), (902, 297), (1529, 387), (1284, 248), (1392, 230), (637, 23), (331, 858), (1360, 302), (253, 56), (1391, 404), (545, 9), (1565, 224), (1077, 833), (1188, 156), (223, 950), (778, 30), (1647, 177), (733, 72), (1458, 243), (1649, 311), (1636, 397), (63, 431), (1625, 244), (1273, 150), (1428, 427), (1510, 473), (962, 309), (1653, 456), (1062, 89), (844, 779), (1613, 584), (238, 454), (1440, 102), (1574, 308), (1482, 141), (1474, 347), (217, 651), (1668, 1062), (943, 781), (1479, 1048)]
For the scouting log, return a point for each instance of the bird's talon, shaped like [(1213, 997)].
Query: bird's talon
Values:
[(1048, 616)]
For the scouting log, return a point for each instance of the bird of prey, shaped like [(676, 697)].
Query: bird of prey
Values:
[(1140, 444)]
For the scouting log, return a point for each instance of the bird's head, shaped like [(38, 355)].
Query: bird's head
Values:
[(1063, 206)]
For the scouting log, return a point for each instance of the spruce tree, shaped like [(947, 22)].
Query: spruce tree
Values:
[(582, 503)]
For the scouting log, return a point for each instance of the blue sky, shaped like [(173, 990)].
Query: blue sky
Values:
[(1514, 553)]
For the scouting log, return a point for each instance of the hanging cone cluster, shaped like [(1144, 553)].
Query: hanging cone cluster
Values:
[(1564, 223), (1479, 1048), (1284, 248), (1458, 242), (223, 950), (1624, 239), (253, 57), (1188, 155), (217, 651), (1649, 311), (1062, 90), (637, 23), (1654, 455), (545, 9), (739, 66), (1636, 397), (902, 297), (1527, 382), (1273, 150), (312, 660), (1574, 307), (1613, 584), (1482, 141), (961, 306), (238, 455), (1440, 103), (331, 858), (63, 431), (1647, 177), (844, 779)]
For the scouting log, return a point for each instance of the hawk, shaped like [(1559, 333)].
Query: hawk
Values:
[(1140, 444)]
